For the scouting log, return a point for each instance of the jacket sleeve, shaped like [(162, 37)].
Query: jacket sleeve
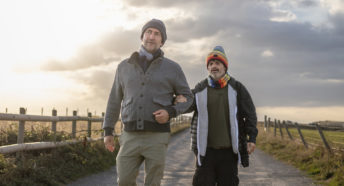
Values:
[(193, 105), (181, 87), (113, 105), (248, 113)]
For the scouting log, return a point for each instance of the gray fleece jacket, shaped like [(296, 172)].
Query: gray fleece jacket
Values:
[(137, 94)]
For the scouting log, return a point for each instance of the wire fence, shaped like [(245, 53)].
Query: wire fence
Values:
[(310, 135)]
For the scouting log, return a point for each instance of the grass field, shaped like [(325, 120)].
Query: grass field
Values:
[(334, 138), (326, 168)]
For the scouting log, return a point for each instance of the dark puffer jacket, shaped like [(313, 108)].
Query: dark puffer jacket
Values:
[(246, 118)]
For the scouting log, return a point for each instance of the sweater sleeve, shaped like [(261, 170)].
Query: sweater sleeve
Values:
[(113, 105), (248, 113), (181, 87)]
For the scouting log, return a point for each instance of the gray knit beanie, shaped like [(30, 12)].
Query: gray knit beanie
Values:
[(158, 24)]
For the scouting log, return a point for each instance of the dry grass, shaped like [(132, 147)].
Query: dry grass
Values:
[(179, 127), (327, 168), (8, 129), (334, 138)]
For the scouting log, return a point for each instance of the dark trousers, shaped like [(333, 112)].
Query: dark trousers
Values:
[(219, 168)]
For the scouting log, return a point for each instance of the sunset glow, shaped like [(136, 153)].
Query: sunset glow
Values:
[(59, 53)]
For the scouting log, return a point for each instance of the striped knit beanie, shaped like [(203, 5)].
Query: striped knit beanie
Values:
[(218, 54)]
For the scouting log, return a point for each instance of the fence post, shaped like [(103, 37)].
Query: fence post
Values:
[(53, 124), (75, 113), (280, 129), (286, 128), (275, 126), (89, 126), (101, 124), (323, 138), (265, 122), (21, 128), (301, 136)]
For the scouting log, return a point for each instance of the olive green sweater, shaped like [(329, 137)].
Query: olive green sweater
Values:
[(218, 113)]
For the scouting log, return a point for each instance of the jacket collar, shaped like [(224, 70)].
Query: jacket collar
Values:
[(136, 56)]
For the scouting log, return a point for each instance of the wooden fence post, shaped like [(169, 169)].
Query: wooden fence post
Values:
[(286, 128), (89, 126), (21, 128), (75, 113), (101, 124), (265, 122), (323, 138), (280, 129), (275, 126), (301, 136), (53, 124)]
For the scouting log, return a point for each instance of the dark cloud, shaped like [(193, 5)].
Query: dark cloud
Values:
[(306, 68), (98, 81), (160, 4), (110, 48), (337, 21), (308, 3), (86, 57)]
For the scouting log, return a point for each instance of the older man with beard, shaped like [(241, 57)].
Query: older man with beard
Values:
[(224, 116)]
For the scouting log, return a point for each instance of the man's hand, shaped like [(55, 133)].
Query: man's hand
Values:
[(161, 116), (250, 147), (109, 143), (180, 99)]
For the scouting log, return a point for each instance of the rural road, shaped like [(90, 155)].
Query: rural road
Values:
[(263, 170)]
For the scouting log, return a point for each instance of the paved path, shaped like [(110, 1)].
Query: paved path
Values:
[(263, 170)]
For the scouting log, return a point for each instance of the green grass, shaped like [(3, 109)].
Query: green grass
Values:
[(325, 168), (334, 138)]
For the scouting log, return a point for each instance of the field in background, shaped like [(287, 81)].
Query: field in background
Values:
[(326, 168), (312, 137)]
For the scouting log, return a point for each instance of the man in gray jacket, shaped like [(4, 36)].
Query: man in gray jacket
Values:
[(143, 91)]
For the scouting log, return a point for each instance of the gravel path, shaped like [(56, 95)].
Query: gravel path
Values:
[(263, 170)]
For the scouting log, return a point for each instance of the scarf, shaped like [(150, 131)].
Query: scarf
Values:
[(219, 83), (143, 52), (146, 58)]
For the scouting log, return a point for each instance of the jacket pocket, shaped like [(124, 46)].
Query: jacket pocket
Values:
[(126, 109), (127, 102)]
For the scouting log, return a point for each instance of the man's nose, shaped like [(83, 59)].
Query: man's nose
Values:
[(151, 36)]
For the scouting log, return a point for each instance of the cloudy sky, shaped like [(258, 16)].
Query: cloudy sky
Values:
[(288, 53)]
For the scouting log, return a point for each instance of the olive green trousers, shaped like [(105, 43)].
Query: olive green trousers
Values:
[(139, 147)]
